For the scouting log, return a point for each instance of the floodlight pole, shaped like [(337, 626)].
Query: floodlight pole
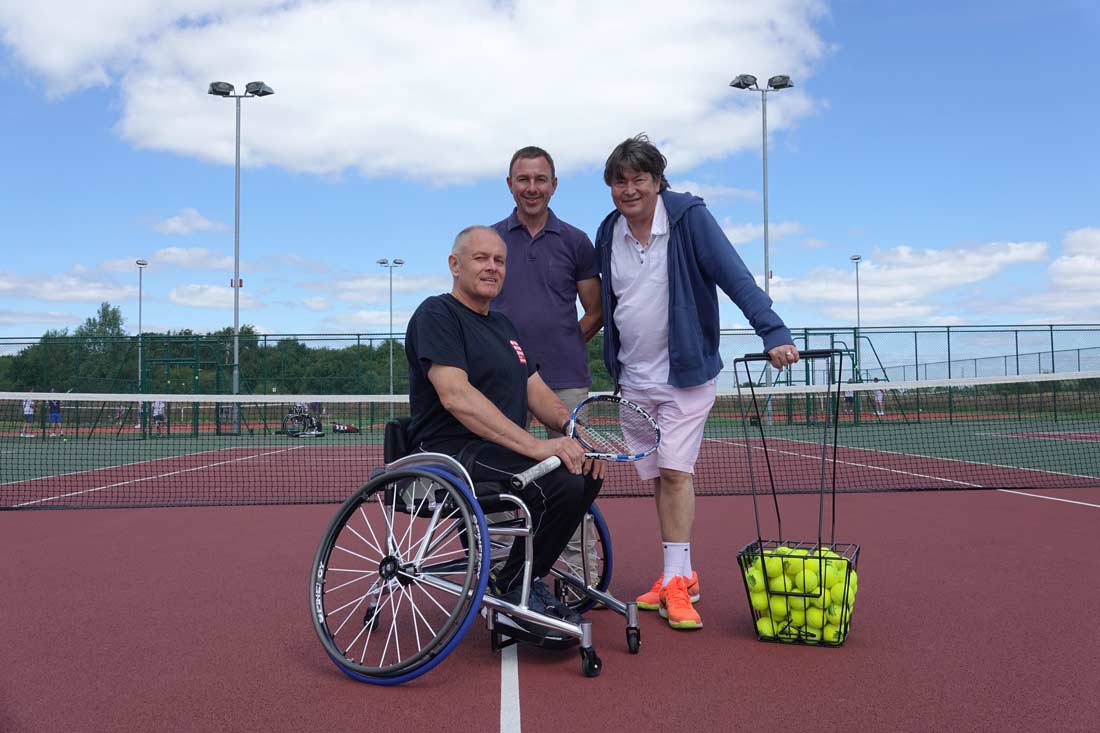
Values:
[(857, 259), (390, 266), (252, 89), (141, 264)]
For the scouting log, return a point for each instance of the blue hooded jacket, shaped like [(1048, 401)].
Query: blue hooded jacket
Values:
[(700, 259)]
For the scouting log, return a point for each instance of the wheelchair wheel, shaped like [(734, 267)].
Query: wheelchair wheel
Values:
[(599, 562), (393, 587), (295, 424)]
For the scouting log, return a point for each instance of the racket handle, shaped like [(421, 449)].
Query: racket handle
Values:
[(536, 471), (807, 354)]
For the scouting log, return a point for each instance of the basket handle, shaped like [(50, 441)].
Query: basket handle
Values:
[(807, 354)]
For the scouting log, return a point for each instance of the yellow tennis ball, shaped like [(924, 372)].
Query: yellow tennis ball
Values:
[(778, 605), (788, 634), (834, 613), (820, 597), (797, 617), (773, 565), (839, 594), (832, 576), (815, 618), (831, 634), (752, 562), (806, 580), (759, 601), (765, 627), (755, 581), (810, 635), (799, 602), (780, 584)]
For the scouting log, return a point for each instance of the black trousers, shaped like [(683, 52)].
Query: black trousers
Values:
[(558, 502)]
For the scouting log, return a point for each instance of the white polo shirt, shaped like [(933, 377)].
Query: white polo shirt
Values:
[(639, 279)]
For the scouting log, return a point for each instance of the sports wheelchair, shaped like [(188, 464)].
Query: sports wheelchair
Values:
[(404, 566), (299, 422)]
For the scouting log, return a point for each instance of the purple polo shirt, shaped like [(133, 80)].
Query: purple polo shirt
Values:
[(540, 296)]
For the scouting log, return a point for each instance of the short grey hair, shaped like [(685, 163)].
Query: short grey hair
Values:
[(639, 154), (462, 237)]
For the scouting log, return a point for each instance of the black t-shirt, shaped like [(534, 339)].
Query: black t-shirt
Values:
[(444, 331)]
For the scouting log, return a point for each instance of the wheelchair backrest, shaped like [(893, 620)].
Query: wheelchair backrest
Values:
[(395, 440)]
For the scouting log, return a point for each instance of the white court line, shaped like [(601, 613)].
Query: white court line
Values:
[(509, 690), (1051, 498), (153, 478)]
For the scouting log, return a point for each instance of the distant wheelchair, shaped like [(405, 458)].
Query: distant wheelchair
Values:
[(404, 567), (299, 422)]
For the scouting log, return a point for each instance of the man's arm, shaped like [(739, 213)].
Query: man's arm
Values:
[(474, 410), (592, 320), (545, 405)]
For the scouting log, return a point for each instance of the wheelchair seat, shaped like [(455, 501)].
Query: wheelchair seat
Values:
[(395, 445)]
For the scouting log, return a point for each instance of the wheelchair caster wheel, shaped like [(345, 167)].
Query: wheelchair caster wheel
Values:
[(590, 663), (633, 639)]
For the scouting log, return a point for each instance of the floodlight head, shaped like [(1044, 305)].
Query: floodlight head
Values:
[(744, 81), (142, 263), (383, 261), (855, 258), (780, 82), (258, 89), (399, 261), (220, 88)]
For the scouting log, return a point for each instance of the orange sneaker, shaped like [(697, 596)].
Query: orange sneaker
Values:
[(651, 601), (676, 605)]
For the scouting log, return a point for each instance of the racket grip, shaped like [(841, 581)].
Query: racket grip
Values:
[(536, 471)]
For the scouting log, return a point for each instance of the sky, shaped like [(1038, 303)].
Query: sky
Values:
[(952, 145)]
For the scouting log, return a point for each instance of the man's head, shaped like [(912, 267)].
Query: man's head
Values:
[(477, 265), (635, 171), (532, 181)]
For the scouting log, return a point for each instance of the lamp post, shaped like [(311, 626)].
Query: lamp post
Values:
[(748, 81), (141, 265), (225, 89), (390, 266), (857, 259)]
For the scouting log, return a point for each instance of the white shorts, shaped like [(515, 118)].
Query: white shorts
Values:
[(681, 412)]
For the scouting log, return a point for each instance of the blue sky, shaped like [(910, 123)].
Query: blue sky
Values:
[(951, 144)]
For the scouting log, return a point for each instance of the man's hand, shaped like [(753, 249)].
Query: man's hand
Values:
[(568, 450), (784, 355)]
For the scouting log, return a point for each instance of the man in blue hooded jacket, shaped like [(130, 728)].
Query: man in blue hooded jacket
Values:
[(662, 257)]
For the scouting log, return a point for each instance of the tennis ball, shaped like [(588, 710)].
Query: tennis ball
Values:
[(773, 565), (797, 616), (752, 562), (832, 576), (799, 602), (815, 618), (838, 596), (834, 613), (780, 584), (820, 598), (759, 601), (754, 580), (796, 562), (778, 605), (810, 635), (832, 634), (788, 634), (806, 580), (782, 550), (765, 628)]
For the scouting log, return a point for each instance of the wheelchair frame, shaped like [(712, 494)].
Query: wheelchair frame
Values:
[(437, 488)]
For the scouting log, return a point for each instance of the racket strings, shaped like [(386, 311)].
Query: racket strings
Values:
[(615, 429)]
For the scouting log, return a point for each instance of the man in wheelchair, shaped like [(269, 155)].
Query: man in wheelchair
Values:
[(470, 387)]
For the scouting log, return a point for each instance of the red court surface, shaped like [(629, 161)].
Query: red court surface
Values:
[(976, 612)]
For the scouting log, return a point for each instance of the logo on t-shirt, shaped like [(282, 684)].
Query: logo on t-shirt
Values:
[(519, 351)]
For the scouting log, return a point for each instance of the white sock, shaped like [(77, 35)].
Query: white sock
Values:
[(677, 557)]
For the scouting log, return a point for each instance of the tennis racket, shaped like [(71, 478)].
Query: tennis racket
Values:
[(610, 429)]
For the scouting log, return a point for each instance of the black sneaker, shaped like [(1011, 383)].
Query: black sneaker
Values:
[(550, 605)]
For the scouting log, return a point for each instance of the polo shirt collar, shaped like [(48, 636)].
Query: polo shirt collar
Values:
[(553, 224)]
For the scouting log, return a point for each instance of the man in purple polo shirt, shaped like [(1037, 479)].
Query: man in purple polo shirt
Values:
[(550, 263)]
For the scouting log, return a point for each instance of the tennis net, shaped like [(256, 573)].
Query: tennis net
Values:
[(125, 450)]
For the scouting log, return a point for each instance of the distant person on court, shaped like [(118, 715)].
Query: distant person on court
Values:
[(28, 419), (53, 416), (158, 415), (471, 384), (880, 400), (550, 264), (662, 254), (120, 415)]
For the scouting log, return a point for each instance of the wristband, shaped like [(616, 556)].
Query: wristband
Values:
[(565, 428)]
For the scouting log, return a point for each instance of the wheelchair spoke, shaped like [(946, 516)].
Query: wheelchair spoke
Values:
[(364, 574)]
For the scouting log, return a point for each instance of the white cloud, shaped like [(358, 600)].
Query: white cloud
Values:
[(209, 296), (373, 288), (36, 317), (386, 110), (186, 222), (745, 233), (379, 318), (78, 286), (814, 243), (315, 304), (192, 258), (1079, 266), (711, 191)]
